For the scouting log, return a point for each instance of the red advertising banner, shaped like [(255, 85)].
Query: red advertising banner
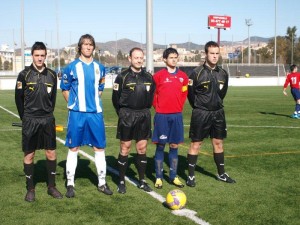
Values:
[(223, 22)]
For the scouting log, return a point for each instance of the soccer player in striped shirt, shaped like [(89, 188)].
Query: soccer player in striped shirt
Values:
[(82, 85)]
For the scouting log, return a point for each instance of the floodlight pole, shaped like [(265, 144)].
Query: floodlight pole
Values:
[(219, 35), (249, 23), (22, 36), (149, 29), (275, 38), (57, 33)]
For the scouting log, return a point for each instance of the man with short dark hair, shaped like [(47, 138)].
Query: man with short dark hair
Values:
[(169, 98), (35, 96), (207, 88)]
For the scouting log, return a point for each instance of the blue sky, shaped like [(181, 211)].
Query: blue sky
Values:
[(174, 21)]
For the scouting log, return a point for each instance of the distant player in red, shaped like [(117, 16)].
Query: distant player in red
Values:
[(293, 79), (169, 98)]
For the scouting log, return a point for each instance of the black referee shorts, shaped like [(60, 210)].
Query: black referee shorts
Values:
[(134, 124), (206, 124), (38, 133)]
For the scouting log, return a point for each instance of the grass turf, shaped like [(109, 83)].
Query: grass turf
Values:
[(262, 154)]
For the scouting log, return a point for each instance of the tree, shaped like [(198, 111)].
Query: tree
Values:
[(120, 56), (281, 47), (6, 65), (291, 37)]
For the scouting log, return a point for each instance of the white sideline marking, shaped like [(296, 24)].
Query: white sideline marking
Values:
[(190, 214), (10, 112)]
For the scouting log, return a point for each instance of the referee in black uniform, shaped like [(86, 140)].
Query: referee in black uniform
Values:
[(35, 96), (207, 88), (132, 98)]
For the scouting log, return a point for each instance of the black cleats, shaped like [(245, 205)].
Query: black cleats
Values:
[(70, 192), (143, 185), (105, 189), (191, 181), (225, 178), (52, 191), (122, 187), (30, 196)]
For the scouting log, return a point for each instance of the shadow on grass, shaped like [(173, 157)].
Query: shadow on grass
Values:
[(275, 114), (83, 170)]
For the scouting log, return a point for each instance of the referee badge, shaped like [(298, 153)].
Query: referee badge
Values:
[(19, 85), (221, 86), (148, 87), (116, 86), (191, 82), (49, 89)]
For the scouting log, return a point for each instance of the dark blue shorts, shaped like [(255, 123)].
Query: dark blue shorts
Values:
[(296, 93), (168, 128)]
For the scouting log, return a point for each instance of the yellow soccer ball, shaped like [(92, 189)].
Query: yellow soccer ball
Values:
[(176, 199)]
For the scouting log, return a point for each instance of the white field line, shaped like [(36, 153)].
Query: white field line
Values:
[(190, 214)]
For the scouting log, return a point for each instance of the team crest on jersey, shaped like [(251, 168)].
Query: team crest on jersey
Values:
[(181, 80), (116, 86), (19, 85), (191, 82), (102, 80), (97, 71), (49, 89), (221, 86), (148, 87)]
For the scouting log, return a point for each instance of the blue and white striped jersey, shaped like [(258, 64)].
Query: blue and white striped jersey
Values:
[(84, 81)]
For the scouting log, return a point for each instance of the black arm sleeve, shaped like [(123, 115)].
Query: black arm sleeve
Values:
[(191, 88), (116, 94), (54, 93), (19, 94), (223, 91)]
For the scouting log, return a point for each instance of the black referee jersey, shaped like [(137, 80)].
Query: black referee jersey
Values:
[(133, 90), (35, 92), (207, 88)]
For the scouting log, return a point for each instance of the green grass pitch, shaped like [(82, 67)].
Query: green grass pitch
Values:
[(261, 152)]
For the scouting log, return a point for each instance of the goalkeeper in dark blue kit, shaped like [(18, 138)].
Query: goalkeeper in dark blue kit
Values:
[(207, 88)]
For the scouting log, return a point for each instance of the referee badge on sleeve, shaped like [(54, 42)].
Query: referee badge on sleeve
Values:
[(19, 85), (191, 82), (116, 87)]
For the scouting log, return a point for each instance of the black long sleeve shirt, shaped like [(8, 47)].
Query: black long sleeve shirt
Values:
[(207, 88), (133, 90), (35, 92)]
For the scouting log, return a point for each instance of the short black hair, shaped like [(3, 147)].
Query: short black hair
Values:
[(135, 49), (210, 44), (292, 67), (38, 46), (82, 38), (169, 51)]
